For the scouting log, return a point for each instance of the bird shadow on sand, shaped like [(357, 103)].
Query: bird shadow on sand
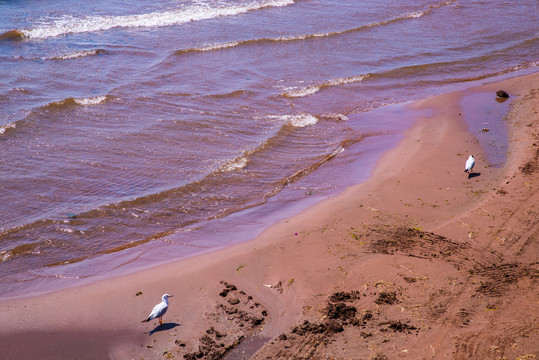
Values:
[(163, 327), (473, 174)]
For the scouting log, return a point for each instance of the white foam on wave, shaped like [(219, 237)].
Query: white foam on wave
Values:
[(235, 164), (300, 92), (75, 55), (5, 127), (443, 3), (346, 80), (404, 16), (336, 152), (5, 256), (415, 14), (73, 25), (310, 90), (302, 37), (301, 120), (96, 100), (218, 46), (525, 66)]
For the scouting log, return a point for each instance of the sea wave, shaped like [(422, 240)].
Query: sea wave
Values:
[(335, 116), (296, 121), (6, 127), (301, 173), (96, 100), (71, 102), (235, 164), (300, 91), (182, 197), (504, 71), (310, 90), (242, 160), (73, 25), (310, 168), (77, 54), (404, 16), (12, 35), (66, 56), (301, 120), (426, 69), (22, 250), (232, 94), (524, 66)]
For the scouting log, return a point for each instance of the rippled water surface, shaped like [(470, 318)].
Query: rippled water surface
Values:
[(134, 132)]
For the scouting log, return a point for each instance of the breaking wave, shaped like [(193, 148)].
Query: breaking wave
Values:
[(503, 71), (71, 102), (73, 25), (6, 127), (403, 72), (235, 164), (404, 16), (55, 252), (310, 90), (449, 67), (301, 120), (91, 101), (296, 121), (77, 54)]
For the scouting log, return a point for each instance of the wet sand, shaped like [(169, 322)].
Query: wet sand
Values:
[(419, 262)]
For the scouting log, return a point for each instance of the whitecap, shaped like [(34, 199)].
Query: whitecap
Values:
[(96, 100), (76, 54), (235, 164), (5, 127), (72, 25), (404, 16), (218, 46), (301, 120), (416, 14), (346, 80), (5, 255), (300, 92), (525, 66), (336, 152), (313, 89)]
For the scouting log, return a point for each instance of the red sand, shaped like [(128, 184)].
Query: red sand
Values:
[(432, 265)]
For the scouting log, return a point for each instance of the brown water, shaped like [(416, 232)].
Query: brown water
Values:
[(135, 133)]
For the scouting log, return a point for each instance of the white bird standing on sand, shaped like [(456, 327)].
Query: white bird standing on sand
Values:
[(159, 310), (469, 164)]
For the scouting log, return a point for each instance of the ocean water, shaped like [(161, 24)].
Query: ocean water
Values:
[(135, 132)]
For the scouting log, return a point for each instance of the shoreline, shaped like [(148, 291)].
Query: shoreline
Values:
[(417, 196), (252, 221)]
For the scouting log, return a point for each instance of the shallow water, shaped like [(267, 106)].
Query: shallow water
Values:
[(133, 133), (484, 114)]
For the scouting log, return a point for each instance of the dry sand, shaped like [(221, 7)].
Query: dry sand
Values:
[(418, 262)]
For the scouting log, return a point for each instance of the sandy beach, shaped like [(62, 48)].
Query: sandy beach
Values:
[(421, 261)]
